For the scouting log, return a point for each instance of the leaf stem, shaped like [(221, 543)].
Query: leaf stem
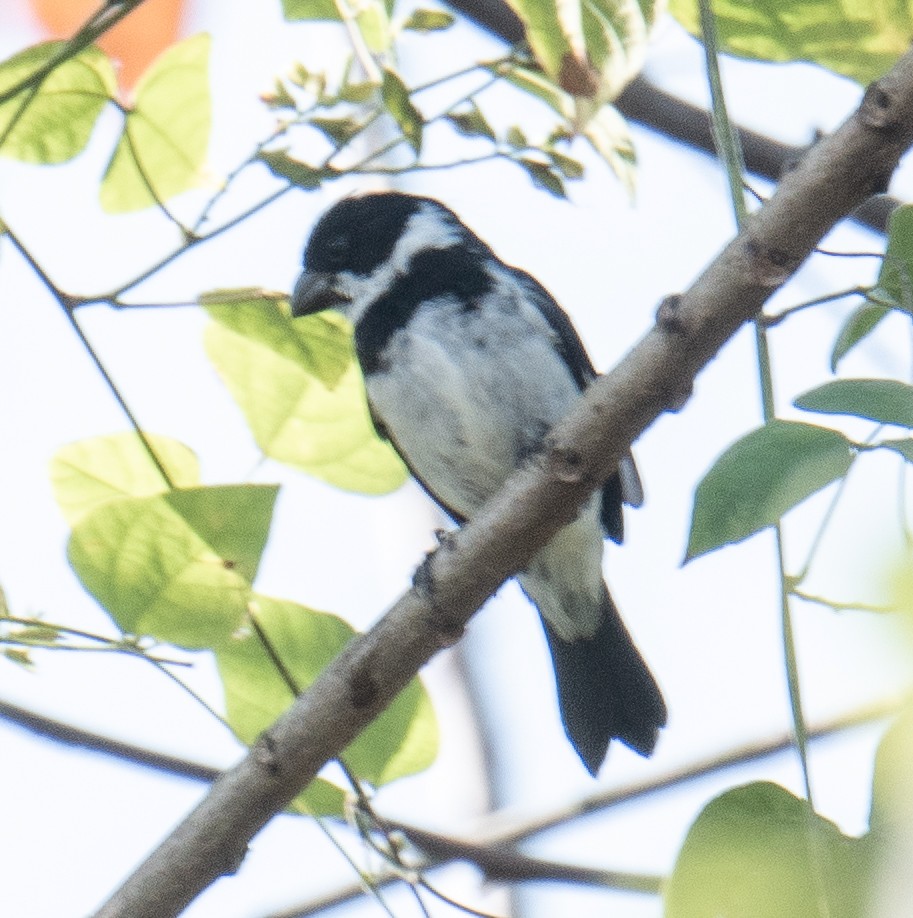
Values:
[(774, 320), (731, 154)]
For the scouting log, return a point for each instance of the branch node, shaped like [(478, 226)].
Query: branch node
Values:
[(265, 753), (566, 462), (448, 632), (362, 687), (769, 266), (669, 316), (68, 302), (880, 182), (878, 108), (679, 398), (423, 578)]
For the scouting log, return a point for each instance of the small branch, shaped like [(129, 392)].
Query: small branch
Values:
[(359, 46), (136, 755), (104, 18), (146, 179), (505, 864), (772, 321), (192, 242), (837, 606), (67, 304)]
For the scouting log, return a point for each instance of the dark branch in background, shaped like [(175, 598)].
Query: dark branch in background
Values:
[(836, 175), (494, 849), (504, 864), (66, 733), (689, 124), (505, 829)]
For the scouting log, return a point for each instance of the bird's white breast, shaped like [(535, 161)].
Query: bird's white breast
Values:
[(467, 398)]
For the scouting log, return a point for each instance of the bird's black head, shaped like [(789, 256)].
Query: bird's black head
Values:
[(358, 234), (362, 244)]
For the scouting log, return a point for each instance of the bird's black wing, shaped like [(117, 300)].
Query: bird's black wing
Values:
[(578, 362), (569, 344)]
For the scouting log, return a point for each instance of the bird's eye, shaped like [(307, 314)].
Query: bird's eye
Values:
[(336, 247)]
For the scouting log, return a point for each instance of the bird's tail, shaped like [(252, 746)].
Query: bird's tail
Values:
[(605, 690)]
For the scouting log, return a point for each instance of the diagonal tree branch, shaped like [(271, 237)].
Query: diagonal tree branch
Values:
[(836, 175)]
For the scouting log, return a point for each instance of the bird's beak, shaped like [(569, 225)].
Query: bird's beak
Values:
[(314, 292)]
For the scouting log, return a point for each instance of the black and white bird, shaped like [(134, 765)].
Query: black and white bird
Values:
[(468, 363)]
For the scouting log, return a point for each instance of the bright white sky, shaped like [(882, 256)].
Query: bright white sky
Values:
[(75, 823)]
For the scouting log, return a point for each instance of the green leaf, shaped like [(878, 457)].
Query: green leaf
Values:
[(357, 92), (320, 343), (608, 134), (320, 10), (314, 83), (891, 780), (320, 798), (516, 138), (89, 473), (471, 123), (536, 84), (36, 634), (428, 21), (886, 401), (761, 477), (339, 131), (19, 657), (301, 391), (163, 146), (401, 741), (903, 447), (52, 122), (569, 167), (860, 323), (373, 21), (861, 40), (759, 852), (590, 48), (396, 100), (605, 129), (543, 177), (372, 18), (895, 280), (298, 173), (177, 566), (280, 98)]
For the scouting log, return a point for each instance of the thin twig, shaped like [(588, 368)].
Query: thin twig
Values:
[(66, 303), (774, 320), (104, 18)]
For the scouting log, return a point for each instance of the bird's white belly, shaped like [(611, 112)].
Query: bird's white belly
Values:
[(464, 417)]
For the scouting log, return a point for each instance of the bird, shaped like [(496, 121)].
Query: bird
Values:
[(468, 363)]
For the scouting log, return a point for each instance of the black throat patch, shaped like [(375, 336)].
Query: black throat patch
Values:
[(457, 271)]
